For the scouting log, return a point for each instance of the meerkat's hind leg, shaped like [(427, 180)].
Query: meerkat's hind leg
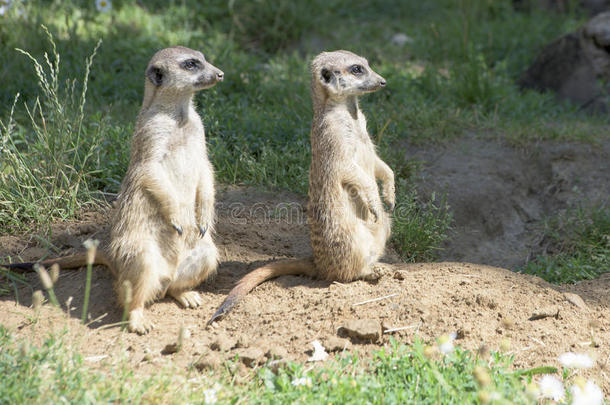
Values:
[(198, 264), (149, 278)]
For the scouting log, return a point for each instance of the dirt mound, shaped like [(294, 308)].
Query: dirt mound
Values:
[(499, 195), (482, 305)]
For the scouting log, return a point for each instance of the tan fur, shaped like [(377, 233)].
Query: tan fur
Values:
[(161, 231), (348, 224)]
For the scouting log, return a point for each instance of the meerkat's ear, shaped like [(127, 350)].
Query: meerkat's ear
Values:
[(155, 75), (328, 78)]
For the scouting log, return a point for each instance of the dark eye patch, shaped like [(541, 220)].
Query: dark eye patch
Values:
[(356, 70), (191, 64)]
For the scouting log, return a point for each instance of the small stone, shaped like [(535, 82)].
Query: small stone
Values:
[(365, 329), (210, 362), (170, 349), (576, 300), (277, 353), (242, 342), (336, 344), (400, 39), (548, 312), (507, 323), (223, 343), (399, 276), (250, 356), (276, 365)]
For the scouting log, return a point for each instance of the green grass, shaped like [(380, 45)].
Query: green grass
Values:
[(456, 76), (579, 246), (66, 127), (54, 371)]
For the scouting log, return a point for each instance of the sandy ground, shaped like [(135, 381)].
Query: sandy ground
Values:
[(483, 305)]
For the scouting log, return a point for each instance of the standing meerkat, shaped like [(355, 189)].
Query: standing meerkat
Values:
[(160, 237), (348, 224)]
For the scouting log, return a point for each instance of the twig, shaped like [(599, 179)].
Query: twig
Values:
[(401, 328), (374, 300), (524, 349), (540, 342), (112, 325), (99, 318)]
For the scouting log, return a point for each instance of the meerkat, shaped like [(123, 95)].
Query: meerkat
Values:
[(161, 230), (348, 223)]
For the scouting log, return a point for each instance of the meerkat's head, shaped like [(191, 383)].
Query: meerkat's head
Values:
[(341, 74), (180, 70)]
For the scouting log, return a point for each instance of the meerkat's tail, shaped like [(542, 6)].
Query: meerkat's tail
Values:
[(271, 270), (66, 262)]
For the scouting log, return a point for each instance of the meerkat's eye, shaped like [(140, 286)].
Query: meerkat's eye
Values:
[(356, 70), (191, 64)]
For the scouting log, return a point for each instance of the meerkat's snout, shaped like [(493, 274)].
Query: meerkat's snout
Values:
[(220, 75)]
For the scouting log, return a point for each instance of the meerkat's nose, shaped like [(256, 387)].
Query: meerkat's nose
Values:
[(382, 82), (220, 76)]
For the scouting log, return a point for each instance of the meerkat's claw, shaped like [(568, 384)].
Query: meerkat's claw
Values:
[(202, 230), (188, 299), (178, 229), (138, 323), (391, 207)]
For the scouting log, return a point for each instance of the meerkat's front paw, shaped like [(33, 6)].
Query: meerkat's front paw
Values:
[(138, 323), (389, 196), (188, 299)]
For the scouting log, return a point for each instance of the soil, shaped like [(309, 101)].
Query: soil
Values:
[(498, 195)]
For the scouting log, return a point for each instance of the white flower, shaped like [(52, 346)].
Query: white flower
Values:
[(301, 381), (445, 343), (551, 387), (590, 394), (319, 354), (209, 395), (3, 10), (575, 360), (103, 6)]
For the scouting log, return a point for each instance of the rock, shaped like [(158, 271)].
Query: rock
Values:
[(573, 66), (507, 323), (364, 329), (242, 342), (336, 344), (170, 348), (223, 343), (277, 353), (591, 6), (209, 362), (549, 312), (400, 39), (250, 356), (575, 300)]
